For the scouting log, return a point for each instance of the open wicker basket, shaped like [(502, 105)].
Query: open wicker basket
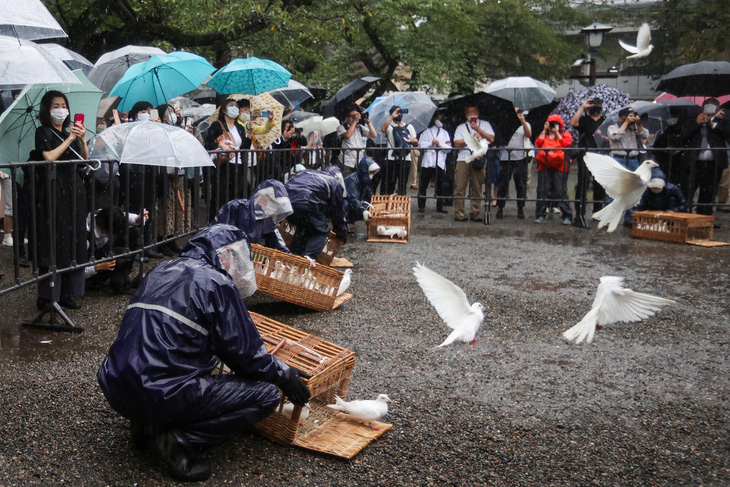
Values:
[(670, 226), (331, 247), (389, 211), (296, 280)]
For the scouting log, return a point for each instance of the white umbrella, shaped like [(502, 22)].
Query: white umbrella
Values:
[(111, 66), (25, 63), (318, 124), (28, 19), (151, 144), (522, 91), (72, 59)]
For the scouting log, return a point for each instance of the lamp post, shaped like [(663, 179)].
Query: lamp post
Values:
[(594, 39)]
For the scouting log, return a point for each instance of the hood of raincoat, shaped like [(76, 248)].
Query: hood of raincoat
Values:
[(270, 200), (557, 118), (337, 174), (205, 244)]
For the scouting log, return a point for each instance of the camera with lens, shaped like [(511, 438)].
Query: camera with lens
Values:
[(554, 125)]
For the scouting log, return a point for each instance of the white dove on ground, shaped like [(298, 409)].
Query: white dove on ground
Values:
[(614, 303), (288, 409), (643, 47), (477, 147), (366, 411), (391, 231), (451, 304), (345, 282), (624, 186)]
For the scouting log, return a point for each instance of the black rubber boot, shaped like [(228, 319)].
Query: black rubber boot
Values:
[(178, 458)]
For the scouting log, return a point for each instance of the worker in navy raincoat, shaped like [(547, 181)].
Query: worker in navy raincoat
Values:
[(315, 196), (359, 190), (660, 195), (185, 318), (259, 215)]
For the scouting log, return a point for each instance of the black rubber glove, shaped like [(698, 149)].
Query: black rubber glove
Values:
[(294, 387)]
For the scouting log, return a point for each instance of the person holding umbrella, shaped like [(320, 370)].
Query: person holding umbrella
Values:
[(55, 144)]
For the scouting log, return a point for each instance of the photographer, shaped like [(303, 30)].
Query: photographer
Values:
[(353, 133), (551, 167), (401, 137), (626, 138), (587, 120)]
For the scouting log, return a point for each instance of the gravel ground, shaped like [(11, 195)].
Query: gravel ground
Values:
[(645, 404)]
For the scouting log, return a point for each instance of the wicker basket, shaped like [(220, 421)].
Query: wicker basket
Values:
[(390, 211), (296, 280), (331, 247), (671, 227)]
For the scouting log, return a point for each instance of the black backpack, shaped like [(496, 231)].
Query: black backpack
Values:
[(400, 141)]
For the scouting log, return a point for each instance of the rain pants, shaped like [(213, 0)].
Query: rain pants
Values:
[(241, 213), (186, 316), (358, 190), (315, 196)]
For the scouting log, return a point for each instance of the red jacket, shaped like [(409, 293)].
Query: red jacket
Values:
[(554, 159)]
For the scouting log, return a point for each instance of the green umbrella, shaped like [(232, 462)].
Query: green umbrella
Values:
[(19, 121)]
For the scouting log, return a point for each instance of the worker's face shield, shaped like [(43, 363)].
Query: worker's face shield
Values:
[(235, 258), (267, 205)]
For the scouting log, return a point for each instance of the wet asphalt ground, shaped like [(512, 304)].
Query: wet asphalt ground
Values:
[(644, 404)]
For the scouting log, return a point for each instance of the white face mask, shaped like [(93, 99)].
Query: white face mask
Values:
[(58, 115), (172, 118), (672, 121), (710, 109), (438, 124), (232, 111), (143, 117), (245, 117)]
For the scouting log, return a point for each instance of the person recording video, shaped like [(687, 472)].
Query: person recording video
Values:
[(353, 132)]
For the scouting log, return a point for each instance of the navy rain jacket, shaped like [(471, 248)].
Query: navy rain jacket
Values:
[(321, 193), (358, 190)]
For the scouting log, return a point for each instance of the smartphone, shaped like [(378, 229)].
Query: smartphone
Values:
[(154, 114), (403, 111), (473, 120), (79, 117), (264, 114)]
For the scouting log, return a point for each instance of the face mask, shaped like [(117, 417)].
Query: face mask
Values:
[(172, 118), (595, 110), (232, 112), (398, 119), (143, 117), (468, 119), (245, 117), (709, 109), (58, 115), (438, 124), (672, 121)]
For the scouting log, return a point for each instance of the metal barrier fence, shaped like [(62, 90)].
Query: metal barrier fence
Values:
[(181, 202)]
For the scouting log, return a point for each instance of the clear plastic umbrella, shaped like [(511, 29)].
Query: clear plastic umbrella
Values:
[(420, 110), (25, 63), (292, 95), (72, 59), (523, 91), (28, 19), (151, 144), (111, 66)]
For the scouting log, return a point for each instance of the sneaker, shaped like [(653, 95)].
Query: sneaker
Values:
[(540, 219), (462, 218), (8, 241), (520, 214), (499, 214), (567, 221)]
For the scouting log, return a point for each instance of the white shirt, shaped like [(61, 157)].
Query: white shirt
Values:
[(465, 128), (517, 140), (620, 141), (391, 142), (433, 157), (350, 158)]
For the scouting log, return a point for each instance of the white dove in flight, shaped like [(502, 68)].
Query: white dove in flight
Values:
[(451, 304), (345, 283), (643, 47), (366, 410), (477, 147), (614, 303), (624, 186)]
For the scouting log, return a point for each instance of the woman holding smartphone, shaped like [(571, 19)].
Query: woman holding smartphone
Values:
[(54, 143)]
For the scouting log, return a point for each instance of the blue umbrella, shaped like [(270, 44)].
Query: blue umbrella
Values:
[(250, 76), (161, 78)]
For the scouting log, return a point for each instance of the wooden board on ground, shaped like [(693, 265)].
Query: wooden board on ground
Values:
[(341, 262), (707, 243)]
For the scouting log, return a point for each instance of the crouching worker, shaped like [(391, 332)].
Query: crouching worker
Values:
[(116, 271), (316, 196), (659, 195), (259, 215), (359, 189), (185, 318)]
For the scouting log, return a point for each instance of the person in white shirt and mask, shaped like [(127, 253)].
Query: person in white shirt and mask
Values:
[(435, 142), (513, 164)]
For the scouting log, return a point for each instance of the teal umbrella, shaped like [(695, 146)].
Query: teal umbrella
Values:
[(250, 76), (19, 121), (161, 78)]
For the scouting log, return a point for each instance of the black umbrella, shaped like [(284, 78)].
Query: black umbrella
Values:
[(706, 78), (538, 116), (318, 91), (347, 94), (207, 96), (500, 113)]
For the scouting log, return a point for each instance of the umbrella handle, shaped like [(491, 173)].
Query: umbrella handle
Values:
[(90, 168)]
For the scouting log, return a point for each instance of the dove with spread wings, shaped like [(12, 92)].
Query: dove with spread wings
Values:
[(451, 304), (624, 186), (614, 303), (643, 47), (477, 147)]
